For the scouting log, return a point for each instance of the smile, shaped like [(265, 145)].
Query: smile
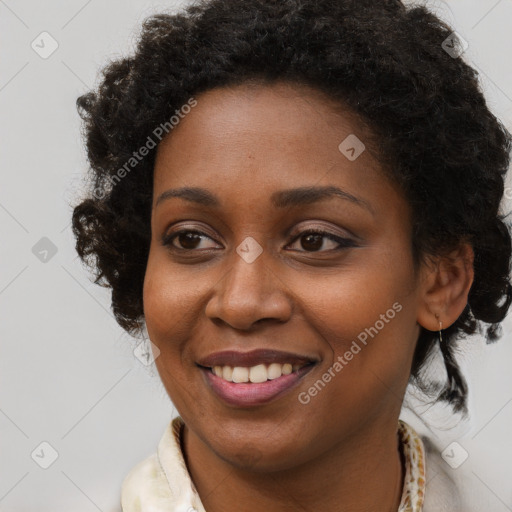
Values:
[(255, 374), (246, 393)]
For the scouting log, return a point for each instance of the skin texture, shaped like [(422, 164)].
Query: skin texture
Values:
[(339, 451)]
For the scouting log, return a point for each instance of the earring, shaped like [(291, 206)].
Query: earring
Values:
[(440, 329)]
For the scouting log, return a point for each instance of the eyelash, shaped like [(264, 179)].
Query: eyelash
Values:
[(344, 243)]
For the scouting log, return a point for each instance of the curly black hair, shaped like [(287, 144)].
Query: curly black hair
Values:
[(387, 62)]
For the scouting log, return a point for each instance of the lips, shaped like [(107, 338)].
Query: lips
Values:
[(254, 357), (228, 373)]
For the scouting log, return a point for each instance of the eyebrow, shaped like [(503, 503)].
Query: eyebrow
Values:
[(280, 199)]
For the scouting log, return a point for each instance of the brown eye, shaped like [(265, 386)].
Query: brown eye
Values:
[(314, 241), (188, 240)]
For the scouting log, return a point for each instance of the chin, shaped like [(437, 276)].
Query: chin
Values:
[(251, 458)]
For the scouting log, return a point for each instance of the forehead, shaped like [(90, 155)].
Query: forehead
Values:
[(247, 141), (279, 127)]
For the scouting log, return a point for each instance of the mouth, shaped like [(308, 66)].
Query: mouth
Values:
[(254, 378)]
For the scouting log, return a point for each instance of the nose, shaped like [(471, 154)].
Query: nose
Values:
[(250, 293)]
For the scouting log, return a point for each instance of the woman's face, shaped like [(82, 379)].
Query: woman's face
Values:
[(270, 259)]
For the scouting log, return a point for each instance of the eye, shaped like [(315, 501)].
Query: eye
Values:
[(188, 240), (312, 240)]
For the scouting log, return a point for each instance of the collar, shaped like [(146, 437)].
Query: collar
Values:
[(413, 492)]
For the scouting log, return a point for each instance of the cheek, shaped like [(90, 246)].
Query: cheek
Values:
[(367, 316), (169, 298), (164, 311), (369, 367), (159, 305), (173, 301)]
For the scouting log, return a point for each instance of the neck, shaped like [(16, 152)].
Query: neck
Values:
[(365, 473)]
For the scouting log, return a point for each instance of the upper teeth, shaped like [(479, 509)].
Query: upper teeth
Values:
[(258, 373)]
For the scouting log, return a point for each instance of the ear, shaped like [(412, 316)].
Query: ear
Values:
[(444, 287)]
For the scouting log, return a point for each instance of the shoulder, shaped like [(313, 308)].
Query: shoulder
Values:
[(161, 481), (145, 483), (451, 490)]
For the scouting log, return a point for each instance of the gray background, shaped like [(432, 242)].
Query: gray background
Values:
[(69, 376)]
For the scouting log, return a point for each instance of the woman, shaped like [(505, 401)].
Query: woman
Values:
[(299, 200)]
